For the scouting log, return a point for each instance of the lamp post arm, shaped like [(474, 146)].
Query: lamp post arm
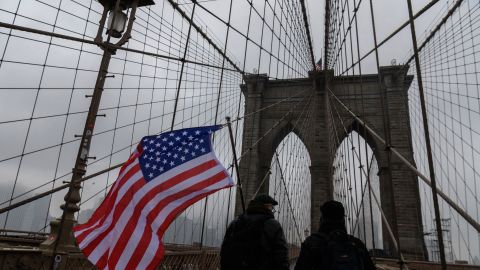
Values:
[(99, 39)]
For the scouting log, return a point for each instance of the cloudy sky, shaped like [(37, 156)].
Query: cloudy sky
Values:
[(47, 79)]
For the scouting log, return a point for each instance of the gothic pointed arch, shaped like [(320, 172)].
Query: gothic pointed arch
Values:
[(277, 107)]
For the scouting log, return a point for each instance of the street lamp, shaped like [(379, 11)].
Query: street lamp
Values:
[(117, 18), (116, 28), (61, 240)]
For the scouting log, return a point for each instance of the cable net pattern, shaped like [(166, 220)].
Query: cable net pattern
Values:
[(182, 67), (358, 40), (449, 66)]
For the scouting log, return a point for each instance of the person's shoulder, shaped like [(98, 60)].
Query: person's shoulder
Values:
[(357, 241), (271, 223), (315, 239), (270, 220), (240, 219)]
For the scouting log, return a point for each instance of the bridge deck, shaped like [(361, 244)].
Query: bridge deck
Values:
[(16, 253)]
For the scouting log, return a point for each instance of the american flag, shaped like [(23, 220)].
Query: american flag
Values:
[(165, 175)]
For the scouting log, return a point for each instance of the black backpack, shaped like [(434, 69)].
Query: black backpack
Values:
[(245, 245), (339, 252)]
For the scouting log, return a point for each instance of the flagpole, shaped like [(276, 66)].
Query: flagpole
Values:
[(235, 162)]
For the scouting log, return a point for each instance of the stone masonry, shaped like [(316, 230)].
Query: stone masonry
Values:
[(321, 130)]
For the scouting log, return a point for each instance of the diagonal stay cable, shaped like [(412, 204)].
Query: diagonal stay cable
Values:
[(384, 218), (282, 173), (364, 188), (28, 200), (54, 190), (271, 128), (445, 197)]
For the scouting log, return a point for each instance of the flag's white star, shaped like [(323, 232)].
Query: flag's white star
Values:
[(158, 159), (203, 150), (164, 148), (170, 143), (186, 151), (150, 175), (164, 139), (197, 132), (171, 163), (190, 137), (161, 169), (182, 158), (145, 148), (164, 161), (184, 133), (154, 167), (171, 134), (177, 138), (157, 144), (147, 165), (152, 141), (157, 153), (169, 154), (193, 154)]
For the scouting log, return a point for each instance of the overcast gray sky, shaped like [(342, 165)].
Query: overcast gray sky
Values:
[(71, 71)]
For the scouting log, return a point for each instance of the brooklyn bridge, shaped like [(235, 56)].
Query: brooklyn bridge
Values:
[(372, 103)]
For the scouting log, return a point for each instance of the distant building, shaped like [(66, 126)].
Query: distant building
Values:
[(85, 214), (30, 217)]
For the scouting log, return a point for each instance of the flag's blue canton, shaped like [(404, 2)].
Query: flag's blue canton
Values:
[(171, 149)]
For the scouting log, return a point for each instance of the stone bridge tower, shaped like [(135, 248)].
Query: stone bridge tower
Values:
[(398, 183)]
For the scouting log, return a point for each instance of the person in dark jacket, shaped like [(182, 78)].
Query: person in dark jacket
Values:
[(255, 240), (332, 247)]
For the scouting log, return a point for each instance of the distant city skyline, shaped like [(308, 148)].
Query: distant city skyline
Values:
[(30, 217)]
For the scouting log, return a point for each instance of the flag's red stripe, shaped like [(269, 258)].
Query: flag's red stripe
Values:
[(108, 203), (133, 221), (117, 211), (169, 219), (146, 237), (102, 262), (102, 214), (159, 255), (113, 197), (136, 186), (132, 157), (157, 258), (129, 195)]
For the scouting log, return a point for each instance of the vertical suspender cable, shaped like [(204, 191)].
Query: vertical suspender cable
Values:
[(177, 95), (386, 126), (427, 140)]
